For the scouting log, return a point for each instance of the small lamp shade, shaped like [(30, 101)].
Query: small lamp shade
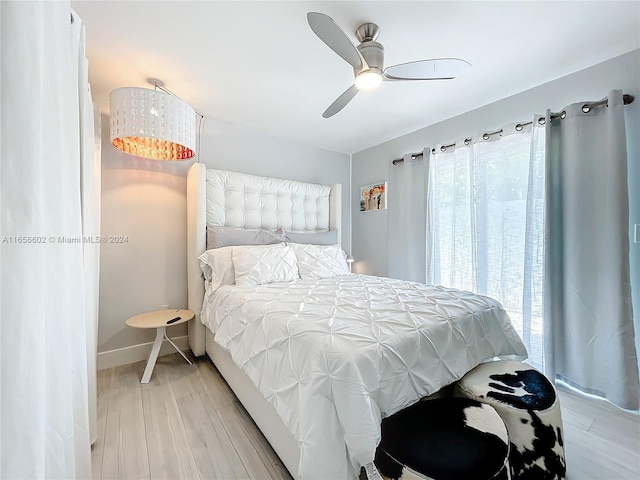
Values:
[(152, 124), (349, 261)]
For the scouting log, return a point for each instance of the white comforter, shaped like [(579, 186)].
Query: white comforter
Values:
[(335, 356)]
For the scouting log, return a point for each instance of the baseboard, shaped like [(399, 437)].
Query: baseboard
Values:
[(137, 353)]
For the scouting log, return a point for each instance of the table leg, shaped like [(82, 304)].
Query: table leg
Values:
[(177, 349), (153, 356)]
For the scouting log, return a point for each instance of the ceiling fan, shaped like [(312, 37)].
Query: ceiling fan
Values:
[(367, 60)]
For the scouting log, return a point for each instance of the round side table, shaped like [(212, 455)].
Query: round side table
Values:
[(160, 320)]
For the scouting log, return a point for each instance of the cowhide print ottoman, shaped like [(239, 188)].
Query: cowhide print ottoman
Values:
[(529, 407), (444, 439)]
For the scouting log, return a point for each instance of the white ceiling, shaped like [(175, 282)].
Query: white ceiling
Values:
[(258, 64)]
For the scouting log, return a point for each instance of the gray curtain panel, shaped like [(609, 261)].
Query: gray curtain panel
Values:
[(589, 334), (406, 218)]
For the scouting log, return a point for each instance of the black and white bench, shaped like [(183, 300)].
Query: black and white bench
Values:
[(445, 438), (529, 406)]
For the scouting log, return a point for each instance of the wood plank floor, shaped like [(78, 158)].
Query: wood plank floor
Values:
[(602, 442), (187, 424)]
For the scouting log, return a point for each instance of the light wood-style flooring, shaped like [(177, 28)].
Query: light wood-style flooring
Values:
[(187, 424)]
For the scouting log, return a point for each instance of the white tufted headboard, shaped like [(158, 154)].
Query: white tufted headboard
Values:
[(217, 197), (245, 201)]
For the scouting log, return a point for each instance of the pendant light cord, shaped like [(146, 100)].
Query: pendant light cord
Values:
[(200, 127), (201, 120)]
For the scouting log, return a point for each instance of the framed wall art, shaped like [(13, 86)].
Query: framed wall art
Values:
[(373, 197)]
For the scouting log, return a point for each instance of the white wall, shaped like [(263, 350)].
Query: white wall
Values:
[(369, 229), (145, 201)]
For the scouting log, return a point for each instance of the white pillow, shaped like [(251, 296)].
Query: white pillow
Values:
[(259, 264), (217, 266), (320, 261)]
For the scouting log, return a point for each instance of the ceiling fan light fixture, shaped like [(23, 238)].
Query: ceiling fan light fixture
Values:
[(368, 79), (367, 60)]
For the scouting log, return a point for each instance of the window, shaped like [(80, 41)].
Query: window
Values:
[(485, 216)]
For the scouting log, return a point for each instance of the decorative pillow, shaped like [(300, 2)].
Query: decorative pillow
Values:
[(217, 266), (320, 261), (329, 237), (218, 236), (256, 265)]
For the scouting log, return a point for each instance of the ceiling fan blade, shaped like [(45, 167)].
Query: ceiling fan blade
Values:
[(434, 69), (340, 102), (330, 33)]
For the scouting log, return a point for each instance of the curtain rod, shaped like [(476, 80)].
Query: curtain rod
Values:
[(626, 98)]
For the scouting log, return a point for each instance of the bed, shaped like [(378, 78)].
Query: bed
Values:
[(319, 361)]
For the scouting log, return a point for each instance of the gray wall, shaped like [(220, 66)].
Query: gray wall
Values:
[(369, 229), (145, 201)]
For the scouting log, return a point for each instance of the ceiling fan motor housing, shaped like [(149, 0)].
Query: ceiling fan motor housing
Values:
[(373, 53)]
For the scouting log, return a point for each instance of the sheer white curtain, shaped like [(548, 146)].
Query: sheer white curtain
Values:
[(451, 253), (588, 311), (406, 219), (545, 205), (45, 323), (485, 223)]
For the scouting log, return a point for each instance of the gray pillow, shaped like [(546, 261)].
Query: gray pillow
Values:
[(218, 236), (329, 237)]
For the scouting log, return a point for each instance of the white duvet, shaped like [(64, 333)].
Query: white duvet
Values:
[(335, 356)]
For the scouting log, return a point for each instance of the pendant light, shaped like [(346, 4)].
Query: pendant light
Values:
[(152, 123)]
